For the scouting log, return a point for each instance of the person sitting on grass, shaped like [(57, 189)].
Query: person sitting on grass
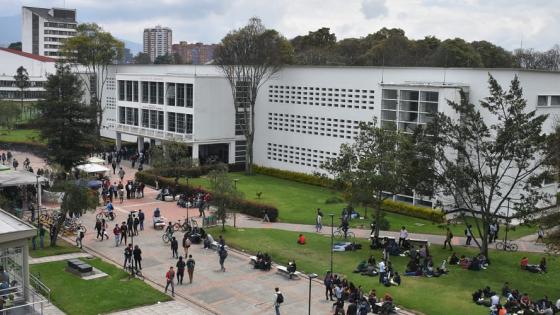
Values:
[(484, 262), (395, 279), (301, 240), (524, 263), (413, 268), (544, 306), (464, 262), (453, 259), (542, 265), (361, 267), (475, 264)]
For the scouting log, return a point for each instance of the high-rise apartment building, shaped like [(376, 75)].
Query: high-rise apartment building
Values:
[(44, 30), (157, 41), (196, 54)]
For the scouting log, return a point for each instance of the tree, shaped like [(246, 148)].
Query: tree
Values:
[(166, 59), (481, 164), (315, 48), (551, 220), (492, 56), (65, 122), (370, 166), (248, 57), (10, 113), (93, 50), (531, 59), (170, 154), (142, 59), (224, 192), (22, 82), (456, 53), (77, 199), (15, 45)]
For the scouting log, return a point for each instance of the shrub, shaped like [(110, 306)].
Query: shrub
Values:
[(434, 215), (294, 176), (190, 172)]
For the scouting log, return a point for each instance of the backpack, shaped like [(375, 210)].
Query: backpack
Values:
[(279, 298), (223, 253)]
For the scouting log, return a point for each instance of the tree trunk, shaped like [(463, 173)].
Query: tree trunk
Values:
[(377, 216), (249, 155)]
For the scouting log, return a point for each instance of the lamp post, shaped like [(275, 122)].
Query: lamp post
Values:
[(37, 201), (311, 277), (332, 239), (507, 224)]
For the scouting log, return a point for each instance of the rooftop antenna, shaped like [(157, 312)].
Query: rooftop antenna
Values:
[(445, 69), (382, 66)]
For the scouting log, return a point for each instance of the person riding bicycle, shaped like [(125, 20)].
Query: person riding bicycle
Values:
[(110, 209), (169, 230), (344, 226)]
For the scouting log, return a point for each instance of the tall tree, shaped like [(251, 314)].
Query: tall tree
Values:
[(65, 122), (224, 192), (369, 166), (93, 50), (22, 82), (551, 220), (142, 59), (166, 59), (482, 161), (170, 154), (10, 113), (248, 57), (315, 48), (492, 56), (456, 53)]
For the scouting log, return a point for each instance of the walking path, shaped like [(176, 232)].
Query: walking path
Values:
[(166, 308), (46, 259)]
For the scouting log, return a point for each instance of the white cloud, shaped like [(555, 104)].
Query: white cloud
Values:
[(373, 8)]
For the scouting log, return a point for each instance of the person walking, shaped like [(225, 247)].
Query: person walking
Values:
[(130, 224), (141, 218), (403, 235), (180, 270), (114, 166), (117, 234), (540, 235), (174, 247), (41, 236), (137, 254), (127, 255), (121, 173), (222, 253), (448, 238), (81, 233), (190, 267), (328, 286), (135, 225), (104, 227), (169, 277), (278, 300), (123, 233), (319, 221), (186, 243), (98, 229), (468, 234)]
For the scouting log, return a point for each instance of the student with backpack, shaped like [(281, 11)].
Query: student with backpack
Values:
[(278, 300), (448, 238), (222, 253), (190, 267)]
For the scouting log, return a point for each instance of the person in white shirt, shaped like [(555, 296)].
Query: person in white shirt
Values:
[(319, 221), (558, 304), (382, 272), (278, 299), (495, 299), (403, 235)]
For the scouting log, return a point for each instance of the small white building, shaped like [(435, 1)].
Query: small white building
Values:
[(38, 68)]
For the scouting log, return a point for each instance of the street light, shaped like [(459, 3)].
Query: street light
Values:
[(507, 224), (311, 277), (332, 239)]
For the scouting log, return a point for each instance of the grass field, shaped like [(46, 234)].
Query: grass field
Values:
[(297, 203), (62, 247), (449, 294), (20, 136), (100, 296)]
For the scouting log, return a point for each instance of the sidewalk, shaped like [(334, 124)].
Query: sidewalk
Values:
[(47, 259)]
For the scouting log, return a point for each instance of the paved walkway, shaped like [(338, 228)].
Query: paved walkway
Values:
[(46, 259), (166, 308)]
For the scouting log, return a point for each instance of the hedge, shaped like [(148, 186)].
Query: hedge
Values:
[(251, 208), (407, 209), (190, 172), (310, 179)]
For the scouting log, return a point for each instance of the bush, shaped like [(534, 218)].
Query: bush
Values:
[(434, 215), (322, 181), (190, 172)]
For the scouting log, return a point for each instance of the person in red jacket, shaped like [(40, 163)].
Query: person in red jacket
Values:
[(301, 239), (169, 277)]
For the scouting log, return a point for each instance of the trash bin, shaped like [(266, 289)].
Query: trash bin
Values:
[(209, 220)]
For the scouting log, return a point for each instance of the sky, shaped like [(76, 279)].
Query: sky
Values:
[(508, 23)]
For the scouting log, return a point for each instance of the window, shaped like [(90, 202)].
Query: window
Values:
[(145, 118), (129, 91), (121, 90), (390, 94), (542, 100), (122, 114), (160, 92), (153, 119), (153, 93), (135, 90), (171, 94), (171, 122), (180, 95), (160, 122), (555, 100), (189, 95), (135, 119), (181, 123), (145, 92), (129, 118), (189, 124)]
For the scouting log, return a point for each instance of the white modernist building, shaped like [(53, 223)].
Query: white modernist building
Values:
[(38, 67), (303, 114), (44, 30)]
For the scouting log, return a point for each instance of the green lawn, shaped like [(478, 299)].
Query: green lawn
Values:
[(62, 247), (20, 136), (450, 294), (297, 203), (100, 296)]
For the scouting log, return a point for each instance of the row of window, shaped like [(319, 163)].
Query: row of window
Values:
[(60, 25), (297, 155), (320, 96), (26, 94), (12, 83), (406, 109), (548, 100), (55, 39), (155, 119), (57, 32), (128, 91), (178, 94), (313, 125)]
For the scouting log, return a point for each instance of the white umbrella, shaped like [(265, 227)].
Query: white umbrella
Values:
[(92, 168), (95, 159)]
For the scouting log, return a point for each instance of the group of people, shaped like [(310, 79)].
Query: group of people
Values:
[(263, 261), (513, 302), (181, 265), (542, 267), (475, 263), (197, 199), (109, 192)]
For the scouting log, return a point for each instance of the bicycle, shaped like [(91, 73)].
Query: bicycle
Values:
[(134, 273), (167, 237), (339, 233), (183, 227), (507, 246), (104, 214)]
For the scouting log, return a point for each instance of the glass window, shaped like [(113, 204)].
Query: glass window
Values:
[(555, 100), (153, 93), (135, 117), (426, 118), (129, 91), (181, 123), (390, 94), (160, 120), (121, 90), (389, 104), (189, 124), (429, 96), (542, 100), (189, 95), (135, 90), (145, 118), (145, 92), (409, 95), (160, 93), (171, 94), (121, 114), (408, 117), (180, 95), (388, 115), (129, 118), (428, 107), (410, 106), (171, 122), (153, 119)]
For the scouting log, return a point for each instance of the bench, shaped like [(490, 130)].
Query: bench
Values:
[(417, 242), (284, 271), (396, 309), (381, 237), (215, 245), (79, 267)]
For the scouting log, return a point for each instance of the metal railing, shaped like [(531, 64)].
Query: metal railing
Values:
[(158, 134), (40, 286), (16, 304)]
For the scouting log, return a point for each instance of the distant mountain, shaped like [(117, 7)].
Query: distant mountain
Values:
[(134, 47), (11, 29)]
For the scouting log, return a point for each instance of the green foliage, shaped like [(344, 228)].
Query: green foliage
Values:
[(224, 192), (315, 48), (15, 45), (170, 154), (333, 199), (66, 123), (166, 59), (316, 180), (434, 215), (142, 59), (456, 53), (10, 113)]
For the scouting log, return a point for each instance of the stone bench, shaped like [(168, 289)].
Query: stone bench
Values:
[(215, 245), (417, 242), (283, 270), (79, 267)]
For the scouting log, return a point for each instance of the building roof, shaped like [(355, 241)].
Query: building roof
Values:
[(45, 13), (12, 228), (28, 55), (13, 178)]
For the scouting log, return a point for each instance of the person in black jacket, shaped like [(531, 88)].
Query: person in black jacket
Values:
[(180, 270), (174, 247), (137, 254)]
